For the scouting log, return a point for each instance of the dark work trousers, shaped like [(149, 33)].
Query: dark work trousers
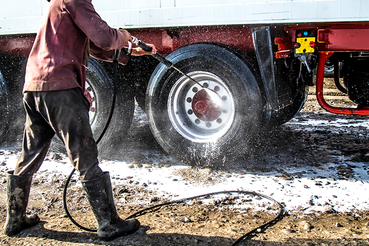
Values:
[(64, 113)]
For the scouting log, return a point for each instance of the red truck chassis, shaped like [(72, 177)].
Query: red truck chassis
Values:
[(330, 40)]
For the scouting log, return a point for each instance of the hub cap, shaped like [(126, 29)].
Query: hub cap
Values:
[(91, 97), (201, 114)]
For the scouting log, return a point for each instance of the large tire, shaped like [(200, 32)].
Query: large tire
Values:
[(4, 110), (329, 69), (100, 90), (12, 119), (184, 134), (356, 80)]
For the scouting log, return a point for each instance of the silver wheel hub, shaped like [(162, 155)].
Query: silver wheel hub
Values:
[(90, 94), (201, 114)]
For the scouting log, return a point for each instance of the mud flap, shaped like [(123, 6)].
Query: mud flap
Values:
[(264, 54)]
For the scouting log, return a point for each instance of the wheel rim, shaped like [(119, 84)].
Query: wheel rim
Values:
[(90, 94), (201, 115)]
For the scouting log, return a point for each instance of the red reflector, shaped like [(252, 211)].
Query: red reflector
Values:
[(312, 44)]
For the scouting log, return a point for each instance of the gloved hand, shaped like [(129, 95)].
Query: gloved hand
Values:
[(137, 51)]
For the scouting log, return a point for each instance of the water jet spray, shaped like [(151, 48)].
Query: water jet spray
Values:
[(210, 99)]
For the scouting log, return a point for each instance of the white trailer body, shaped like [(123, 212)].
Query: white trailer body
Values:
[(22, 16)]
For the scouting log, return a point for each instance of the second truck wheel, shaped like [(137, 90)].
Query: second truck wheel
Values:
[(99, 91)]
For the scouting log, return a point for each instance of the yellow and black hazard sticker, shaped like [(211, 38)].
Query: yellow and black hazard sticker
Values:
[(305, 45)]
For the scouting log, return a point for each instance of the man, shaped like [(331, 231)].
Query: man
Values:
[(55, 104)]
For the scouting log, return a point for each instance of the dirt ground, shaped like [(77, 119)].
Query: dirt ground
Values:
[(196, 223)]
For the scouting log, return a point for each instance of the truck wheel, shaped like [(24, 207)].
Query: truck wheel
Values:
[(100, 91), (356, 80), (328, 69), (4, 111), (182, 128)]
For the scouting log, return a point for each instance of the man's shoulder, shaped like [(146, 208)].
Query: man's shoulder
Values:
[(77, 2), (74, 5)]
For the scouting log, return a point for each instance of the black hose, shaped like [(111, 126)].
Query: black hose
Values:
[(144, 211), (66, 207), (115, 89), (247, 235)]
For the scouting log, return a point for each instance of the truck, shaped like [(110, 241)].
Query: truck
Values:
[(259, 56)]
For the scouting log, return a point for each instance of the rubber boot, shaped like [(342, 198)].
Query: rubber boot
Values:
[(100, 196), (18, 188)]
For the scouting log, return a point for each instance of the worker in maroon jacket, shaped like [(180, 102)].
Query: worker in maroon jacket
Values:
[(55, 104)]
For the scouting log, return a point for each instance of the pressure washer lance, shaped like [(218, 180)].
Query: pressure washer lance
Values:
[(214, 99), (161, 58)]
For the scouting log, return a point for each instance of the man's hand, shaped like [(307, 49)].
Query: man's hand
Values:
[(127, 35), (140, 52), (136, 51)]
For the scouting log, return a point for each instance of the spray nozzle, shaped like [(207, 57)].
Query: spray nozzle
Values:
[(215, 98)]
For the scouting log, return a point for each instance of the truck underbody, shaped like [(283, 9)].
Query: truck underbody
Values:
[(262, 73)]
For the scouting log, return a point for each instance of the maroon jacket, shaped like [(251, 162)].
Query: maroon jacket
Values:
[(69, 29)]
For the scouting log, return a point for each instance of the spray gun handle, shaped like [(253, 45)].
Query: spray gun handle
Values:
[(157, 56)]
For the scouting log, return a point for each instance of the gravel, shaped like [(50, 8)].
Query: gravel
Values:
[(316, 166)]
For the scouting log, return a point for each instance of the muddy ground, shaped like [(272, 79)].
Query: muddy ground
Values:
[(214, 223)]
